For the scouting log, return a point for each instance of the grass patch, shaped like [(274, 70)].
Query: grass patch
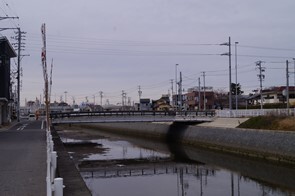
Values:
[(270, 122)]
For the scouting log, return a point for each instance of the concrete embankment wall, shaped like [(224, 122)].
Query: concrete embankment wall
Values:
[(267, 144)]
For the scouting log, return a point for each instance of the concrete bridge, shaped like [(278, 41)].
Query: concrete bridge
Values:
[(132, 116)]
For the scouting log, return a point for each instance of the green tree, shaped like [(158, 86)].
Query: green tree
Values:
[(233, 89)]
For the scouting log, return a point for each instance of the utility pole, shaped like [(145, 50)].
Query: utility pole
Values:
[(19, 39), (287, 86), (18, 74), (19, 48), (139, 93), (229, 56), (294, 75), (261, 78), (93, 99), (236, 68), (73, 98), (199, 79), (101, 96), (123, 97), (66, 96), (172, 92), (176, 101), (180, 90), (229, 64), (204, 90)]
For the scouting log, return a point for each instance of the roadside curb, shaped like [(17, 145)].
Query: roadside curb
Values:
[(6, 127)]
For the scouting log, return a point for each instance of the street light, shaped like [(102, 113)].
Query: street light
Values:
[(236, 69), (66, 96)]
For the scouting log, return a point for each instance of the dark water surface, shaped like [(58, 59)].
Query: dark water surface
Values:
[(113, 165)]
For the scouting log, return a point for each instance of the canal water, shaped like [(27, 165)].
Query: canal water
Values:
[(113, 165)]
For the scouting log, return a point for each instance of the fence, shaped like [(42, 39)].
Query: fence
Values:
[(254, 112), (54, 185)]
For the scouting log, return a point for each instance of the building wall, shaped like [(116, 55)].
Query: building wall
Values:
[(6, 52), (1, 116), (193, 100), (5, 77)]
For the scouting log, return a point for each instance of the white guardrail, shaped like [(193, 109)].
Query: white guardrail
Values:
[(54, 185), (254, 112)]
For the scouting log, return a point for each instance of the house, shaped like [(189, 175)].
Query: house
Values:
[(6, 102), (145, 105), (162, 104), (274, 95), (193, 101)]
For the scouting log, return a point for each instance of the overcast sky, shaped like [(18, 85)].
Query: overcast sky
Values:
[(115, 45)]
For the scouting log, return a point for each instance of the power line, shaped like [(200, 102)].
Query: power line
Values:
[(68, 39), (264, 56), (266, 48)]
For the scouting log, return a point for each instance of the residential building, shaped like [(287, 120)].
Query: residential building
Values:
[(145, 105), (162, 104), (273, 95), (192, 98)]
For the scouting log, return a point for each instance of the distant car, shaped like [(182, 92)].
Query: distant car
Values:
[(32, 117), (76, 108)]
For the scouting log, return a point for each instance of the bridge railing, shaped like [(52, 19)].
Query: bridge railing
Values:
[(254, 112), (131, 113), (207, 113), (54, 185)]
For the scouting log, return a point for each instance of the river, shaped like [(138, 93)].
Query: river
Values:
[(113, 165)]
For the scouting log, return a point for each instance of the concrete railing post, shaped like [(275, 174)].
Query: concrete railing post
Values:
[(53, 165), (48, 186), (58, 187)]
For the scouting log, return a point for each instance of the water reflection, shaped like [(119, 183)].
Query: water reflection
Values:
[(128, 166)]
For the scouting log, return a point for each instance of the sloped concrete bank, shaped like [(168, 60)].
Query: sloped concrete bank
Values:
[(266, 144)]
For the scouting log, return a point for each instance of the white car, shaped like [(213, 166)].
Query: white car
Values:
[(32, 117), (76, 108)]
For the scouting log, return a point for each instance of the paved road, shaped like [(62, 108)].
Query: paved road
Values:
[(224, 122), (23, 160)]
